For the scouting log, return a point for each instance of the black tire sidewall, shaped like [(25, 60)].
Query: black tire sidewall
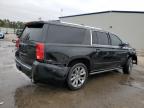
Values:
[(126, 69)]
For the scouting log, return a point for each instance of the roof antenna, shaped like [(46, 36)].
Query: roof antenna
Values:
[(40, 19), (61, 12)]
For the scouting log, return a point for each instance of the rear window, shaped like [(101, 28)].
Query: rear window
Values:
[(32, 32), (66, 35), (102, 38)]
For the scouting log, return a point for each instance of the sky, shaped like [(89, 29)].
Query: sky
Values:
[(32, 10)]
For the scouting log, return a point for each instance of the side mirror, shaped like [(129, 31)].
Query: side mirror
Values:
[(124, 44)]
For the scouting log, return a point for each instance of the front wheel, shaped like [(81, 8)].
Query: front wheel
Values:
[(77, 76), (128, 66)]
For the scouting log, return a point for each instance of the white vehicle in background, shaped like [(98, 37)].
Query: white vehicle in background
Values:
[(2, 35)]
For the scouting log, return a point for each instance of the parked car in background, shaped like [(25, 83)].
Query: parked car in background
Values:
[(2, 35), (69, 52)]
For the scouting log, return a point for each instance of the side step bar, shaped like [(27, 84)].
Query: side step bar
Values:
[(102, 71)]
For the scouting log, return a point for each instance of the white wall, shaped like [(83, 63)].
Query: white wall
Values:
[(129, 26)]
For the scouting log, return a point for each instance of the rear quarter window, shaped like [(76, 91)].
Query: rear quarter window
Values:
[(66, 35)]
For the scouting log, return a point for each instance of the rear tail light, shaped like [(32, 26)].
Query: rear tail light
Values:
[(40, 51), (17, 42)]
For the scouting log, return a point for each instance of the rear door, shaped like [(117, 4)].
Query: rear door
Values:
[(103, 57), (32, 34)]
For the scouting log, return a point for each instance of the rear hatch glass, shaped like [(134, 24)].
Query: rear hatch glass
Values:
[(32, 34)]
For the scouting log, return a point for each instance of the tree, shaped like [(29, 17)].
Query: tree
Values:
[(11, 24)]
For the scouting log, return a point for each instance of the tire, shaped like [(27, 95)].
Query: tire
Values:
[(77, 76), (127, 68)]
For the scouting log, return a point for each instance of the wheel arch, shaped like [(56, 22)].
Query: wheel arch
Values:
[(84, 60)]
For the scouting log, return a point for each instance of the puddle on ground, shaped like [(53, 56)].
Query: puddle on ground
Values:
[(130, 81), (101, 91)]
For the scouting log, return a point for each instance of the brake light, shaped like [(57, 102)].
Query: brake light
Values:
[(40, 51), (17, 42)]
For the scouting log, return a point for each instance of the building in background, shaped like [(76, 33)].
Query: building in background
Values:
[(129, 25)]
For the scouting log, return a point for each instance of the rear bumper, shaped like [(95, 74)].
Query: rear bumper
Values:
[(42, 71), (26, 69)]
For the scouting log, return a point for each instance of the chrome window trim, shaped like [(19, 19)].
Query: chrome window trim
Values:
[(110, 46), (105, 46), (80, 25), (69, 45), (84, 45), (91, 38)]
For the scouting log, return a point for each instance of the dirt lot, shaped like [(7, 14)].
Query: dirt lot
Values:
[(107, 90)]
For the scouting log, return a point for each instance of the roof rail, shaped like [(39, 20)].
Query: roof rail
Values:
[(81, 25)]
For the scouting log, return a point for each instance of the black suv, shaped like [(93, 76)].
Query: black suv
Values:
[(69, 52)]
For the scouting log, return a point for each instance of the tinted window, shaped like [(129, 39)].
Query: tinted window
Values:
[(94, 38), (115, 40), (102, 38), (65, 34), (32, 32)]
